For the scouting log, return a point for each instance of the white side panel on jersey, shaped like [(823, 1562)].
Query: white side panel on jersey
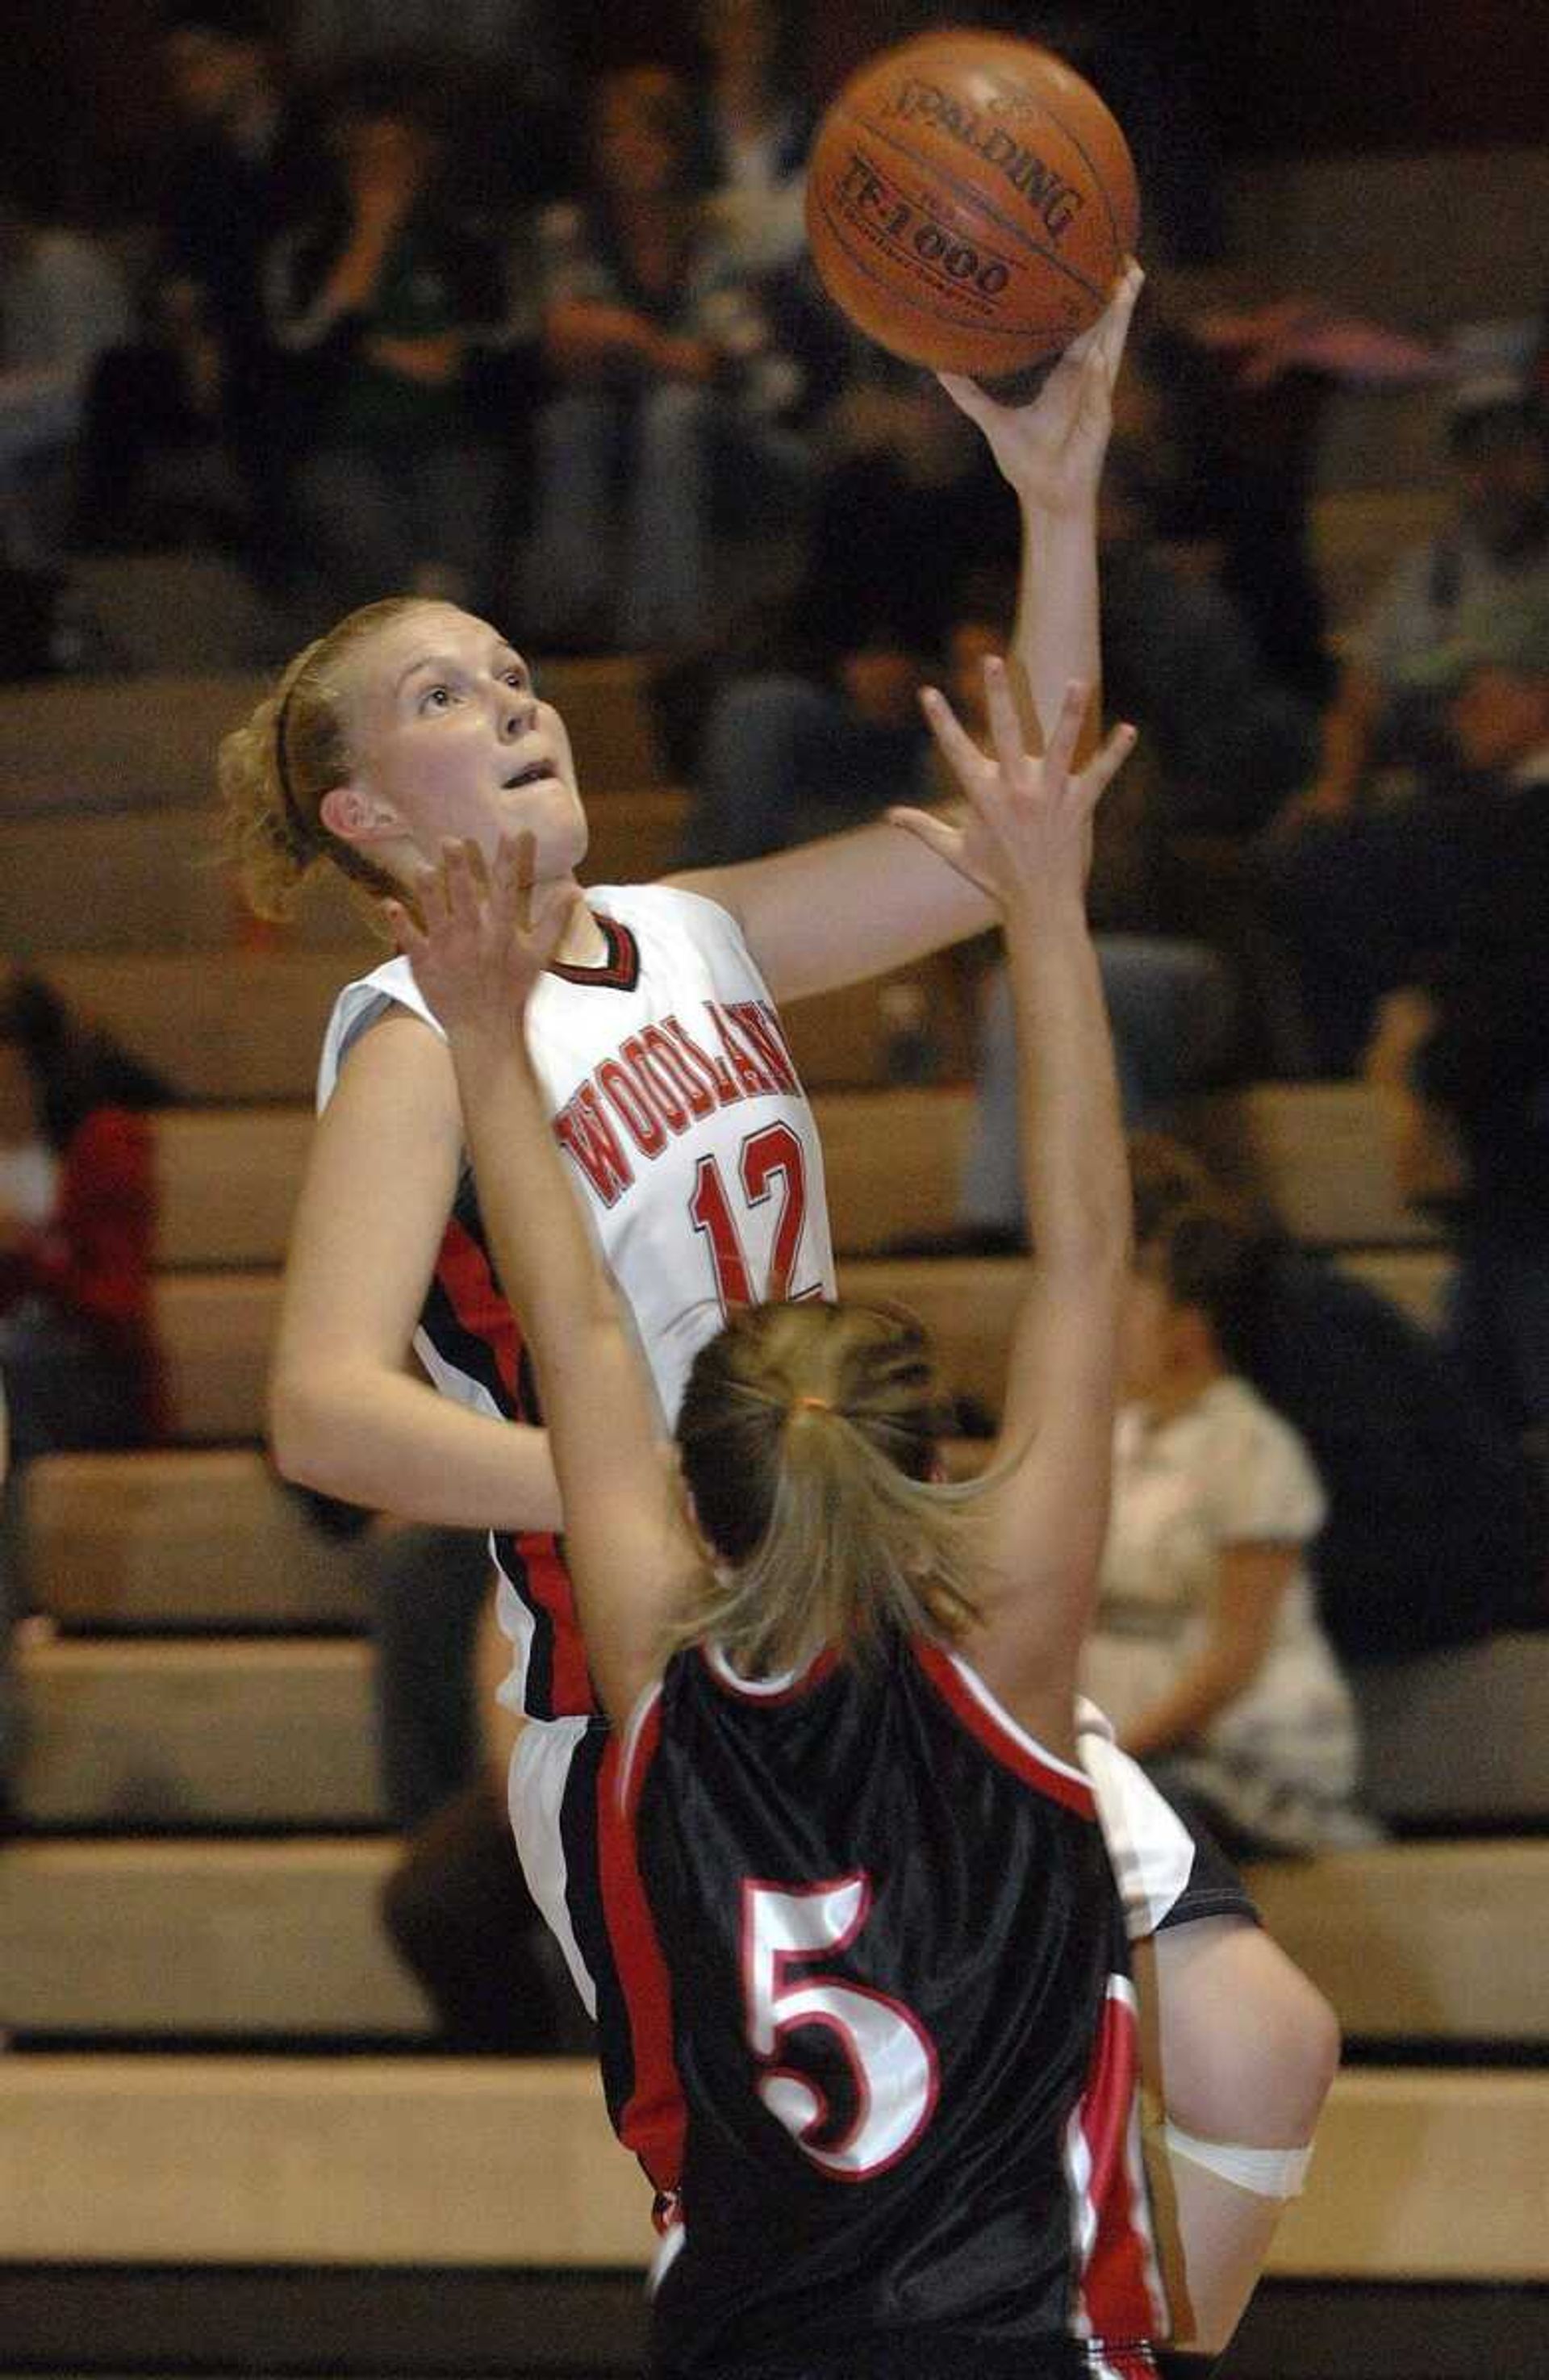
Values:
[(1151, 1849), (539, 1766)]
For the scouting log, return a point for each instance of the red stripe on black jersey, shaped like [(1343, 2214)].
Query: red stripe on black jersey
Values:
[(1119, 2286), (472, 1326), (652, 2120), (998, 1732)]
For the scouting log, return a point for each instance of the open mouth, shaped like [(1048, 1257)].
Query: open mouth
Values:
[(534, 773)]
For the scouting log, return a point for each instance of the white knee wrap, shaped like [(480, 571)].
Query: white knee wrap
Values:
[(1268, 2173)]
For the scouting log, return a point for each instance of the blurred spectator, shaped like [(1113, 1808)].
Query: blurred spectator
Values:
[(78, 1356), (757, 122), (1437, 1530), (1205, 1649), (672, 398), (383, 294), (1494, 548), (1243, 394), (1376, 898), (1170, 1003), (200, 378), (813, 721), (1480, 1020), (62, 302), (1226, 740), (508, 62)]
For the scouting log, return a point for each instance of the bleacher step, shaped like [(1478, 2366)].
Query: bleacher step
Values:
[(1427, 1942), (155, 880), (186, 1537), (1419, 2173), (163, 1939), (233, 1026), (216, 1330), (193, 1732), (1318, 1154)]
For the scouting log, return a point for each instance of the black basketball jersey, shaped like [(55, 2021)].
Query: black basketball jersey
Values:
[(903, 2023)]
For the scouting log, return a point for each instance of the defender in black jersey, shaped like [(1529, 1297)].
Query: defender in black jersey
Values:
[(910, 2069), (890, 1948)]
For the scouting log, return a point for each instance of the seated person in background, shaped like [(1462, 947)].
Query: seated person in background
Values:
[(202, 376), (1207, 1651), (382, 298), (77, 1220), (1494, 548), (1367, 894), (1471, 1039), (1228, 740), (1438, 1527), (77, 1356), (670, 391), (62, 303), (1171, 1004), (813, 722), (756, 121)]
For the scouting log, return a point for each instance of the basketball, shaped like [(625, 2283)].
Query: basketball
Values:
[(970, 202)]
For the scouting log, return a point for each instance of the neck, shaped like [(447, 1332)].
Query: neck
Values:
[(583, 943)]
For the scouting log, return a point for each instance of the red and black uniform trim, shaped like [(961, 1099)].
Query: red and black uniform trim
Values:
[(620, 971), (470, 1325)]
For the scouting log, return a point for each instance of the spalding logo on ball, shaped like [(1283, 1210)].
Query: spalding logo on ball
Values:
[(970, 203)]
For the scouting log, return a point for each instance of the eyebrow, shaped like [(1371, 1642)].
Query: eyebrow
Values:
[(503, 654), (426, 661)]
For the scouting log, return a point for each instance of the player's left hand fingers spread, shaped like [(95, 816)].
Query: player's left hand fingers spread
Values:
[(967, 761), (1006, 729), (944, 840), (1067, 731), (1106, 763)]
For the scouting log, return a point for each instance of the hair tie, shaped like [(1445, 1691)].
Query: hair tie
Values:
[(812, 1404)]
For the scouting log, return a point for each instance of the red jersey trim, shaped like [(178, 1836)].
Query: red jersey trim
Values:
[(1122, 2302), (620, 971), (654, 2119), (783, 1689), (474, 1295), (971, 1701)]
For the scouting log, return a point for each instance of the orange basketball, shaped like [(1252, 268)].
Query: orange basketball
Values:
[(970, 202)]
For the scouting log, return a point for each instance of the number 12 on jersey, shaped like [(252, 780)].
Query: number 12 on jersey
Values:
[(894, 2072), (770, 1157)]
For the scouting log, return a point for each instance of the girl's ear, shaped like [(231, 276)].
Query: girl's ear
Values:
[(356, 816)]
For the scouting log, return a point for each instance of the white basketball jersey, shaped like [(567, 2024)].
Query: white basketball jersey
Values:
[(676, 1104)]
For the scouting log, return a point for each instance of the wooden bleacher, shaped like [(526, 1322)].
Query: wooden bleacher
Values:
[(152, 880), (261, 2160)]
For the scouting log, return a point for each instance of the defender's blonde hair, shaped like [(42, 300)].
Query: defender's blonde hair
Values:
[(808, 1436), (274, 771)]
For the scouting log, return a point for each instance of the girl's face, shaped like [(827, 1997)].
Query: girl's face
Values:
[(451, 740)]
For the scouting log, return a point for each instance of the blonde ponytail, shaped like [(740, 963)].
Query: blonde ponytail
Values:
[(274, 769), (808, 1437)]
